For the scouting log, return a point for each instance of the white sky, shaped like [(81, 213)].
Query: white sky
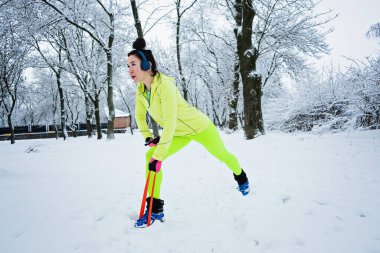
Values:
[(349, 37)]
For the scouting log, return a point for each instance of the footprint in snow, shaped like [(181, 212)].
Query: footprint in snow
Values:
[(99, 218), (285, 199), (300, 242), (321, 203)]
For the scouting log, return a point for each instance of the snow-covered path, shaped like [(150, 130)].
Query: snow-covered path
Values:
[(311, 193)]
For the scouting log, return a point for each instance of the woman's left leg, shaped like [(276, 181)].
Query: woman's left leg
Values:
[(211, 140)]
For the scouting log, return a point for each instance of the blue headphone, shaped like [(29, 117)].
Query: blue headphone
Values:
[(145, 64)]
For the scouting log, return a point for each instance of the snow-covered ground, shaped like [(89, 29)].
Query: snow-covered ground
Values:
[(311, 193)]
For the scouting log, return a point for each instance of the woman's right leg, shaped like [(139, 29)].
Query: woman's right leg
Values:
[(157, 203), (177, 144)]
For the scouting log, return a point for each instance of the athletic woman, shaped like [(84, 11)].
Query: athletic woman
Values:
[(181, 123)]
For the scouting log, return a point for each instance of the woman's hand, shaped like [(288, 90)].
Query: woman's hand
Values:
[(155, 165), (152, 142)]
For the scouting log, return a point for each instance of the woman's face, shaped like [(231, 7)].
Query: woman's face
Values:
[(135, 71)]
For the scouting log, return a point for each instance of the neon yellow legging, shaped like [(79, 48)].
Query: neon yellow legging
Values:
[(210, 139)]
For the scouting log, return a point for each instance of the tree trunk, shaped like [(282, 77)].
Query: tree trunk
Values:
[(62, 105), (233, 123), (252, 82), (56, 131), (111, 108), (233, 117), (88, 127), (135, 12), (88, 115), (215, 118), (253, 121), (9, 109), (183, 80), (10, 125), (54, 112), (97, 117)]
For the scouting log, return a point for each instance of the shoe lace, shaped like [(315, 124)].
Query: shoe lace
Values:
[(143, 218), (243, 187)]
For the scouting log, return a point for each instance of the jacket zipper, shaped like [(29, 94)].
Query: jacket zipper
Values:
[(187, 126), (142, 94)]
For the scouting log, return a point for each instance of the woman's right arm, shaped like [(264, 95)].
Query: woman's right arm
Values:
[(140, 115)]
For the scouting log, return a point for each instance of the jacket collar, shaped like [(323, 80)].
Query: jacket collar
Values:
[(153, 86)]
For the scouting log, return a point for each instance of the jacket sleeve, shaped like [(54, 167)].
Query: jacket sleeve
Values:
[(140, 115), (168, 99)]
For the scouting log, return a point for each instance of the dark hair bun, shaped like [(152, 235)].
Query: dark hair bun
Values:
[(139, 44)]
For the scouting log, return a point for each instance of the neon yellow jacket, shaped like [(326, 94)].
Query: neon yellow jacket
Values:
[(169, 110)]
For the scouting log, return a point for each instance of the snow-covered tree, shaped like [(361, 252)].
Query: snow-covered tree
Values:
[(85, 61), (374, 31), (98, 19), (13, 58), (54, 58), (279, 33)]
